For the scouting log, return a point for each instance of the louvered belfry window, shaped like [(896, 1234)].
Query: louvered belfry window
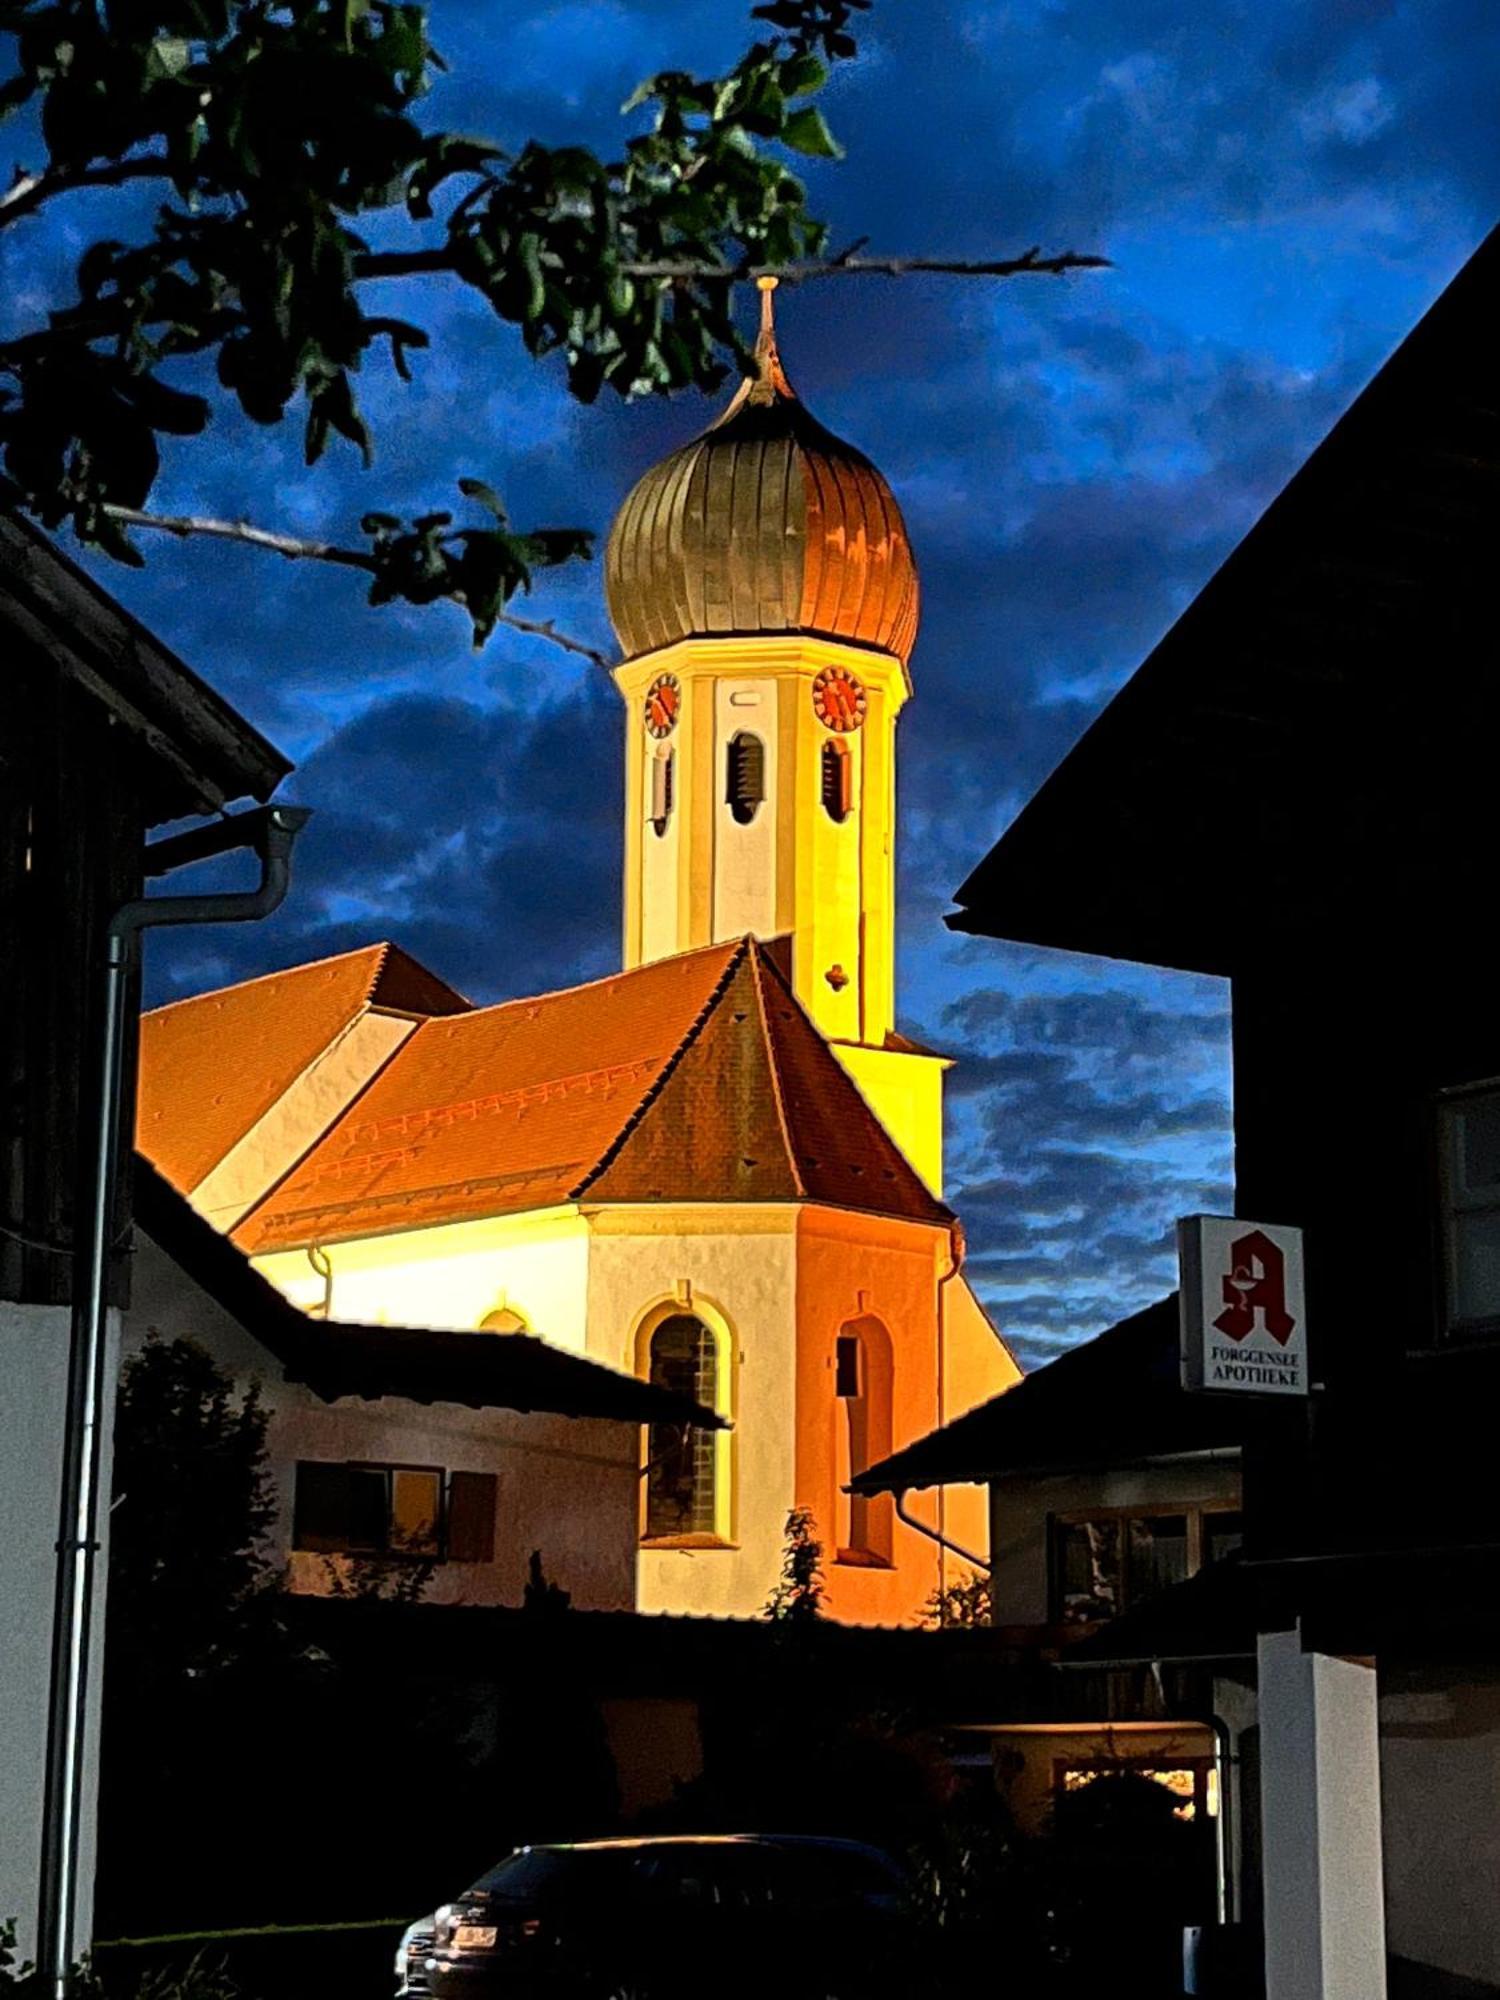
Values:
[(661, 791), (744, 776), (680, 1477), (838, 780)]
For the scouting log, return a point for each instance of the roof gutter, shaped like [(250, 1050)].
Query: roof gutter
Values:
[(270, 831)]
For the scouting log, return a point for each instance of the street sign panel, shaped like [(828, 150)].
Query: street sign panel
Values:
[(1243, 1317)]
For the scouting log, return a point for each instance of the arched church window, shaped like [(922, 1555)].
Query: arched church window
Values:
[(661, 791), (505, 1320), (863, 1385), (681, 1461), (838, 780), (744, 775)]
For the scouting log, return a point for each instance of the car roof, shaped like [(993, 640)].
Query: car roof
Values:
[(629, 1843)]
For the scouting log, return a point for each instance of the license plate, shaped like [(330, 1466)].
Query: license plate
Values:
[(474, 1937)]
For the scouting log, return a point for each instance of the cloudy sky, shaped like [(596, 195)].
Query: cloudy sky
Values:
[(1284, 187)]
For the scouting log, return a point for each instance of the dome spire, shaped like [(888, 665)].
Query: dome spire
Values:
[(770, 378)]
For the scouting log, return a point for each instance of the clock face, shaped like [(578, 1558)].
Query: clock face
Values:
[(838, 699), (663, 700)]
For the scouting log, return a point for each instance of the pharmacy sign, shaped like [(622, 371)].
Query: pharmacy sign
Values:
[(1243, 1320)]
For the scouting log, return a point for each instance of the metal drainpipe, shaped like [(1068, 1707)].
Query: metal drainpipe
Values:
[(955, 1265), (271, 831), (936, 1535)]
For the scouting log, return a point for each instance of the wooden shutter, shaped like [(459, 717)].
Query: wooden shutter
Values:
[(471, 1517)]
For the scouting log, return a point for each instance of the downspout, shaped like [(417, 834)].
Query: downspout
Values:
[(955, 1265), (271, 830), (937, 1535), (1225, 1762)]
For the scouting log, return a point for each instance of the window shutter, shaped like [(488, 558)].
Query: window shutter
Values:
[(744, 776), (471, 1517), (661, 790), (321, 1509), (838, 780)]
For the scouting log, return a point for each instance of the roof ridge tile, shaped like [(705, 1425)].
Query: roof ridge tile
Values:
[(778, 1097), (668, 1068)]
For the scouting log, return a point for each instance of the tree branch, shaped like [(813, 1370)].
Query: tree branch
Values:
[(299, 549), (28, 192), (411, 263)]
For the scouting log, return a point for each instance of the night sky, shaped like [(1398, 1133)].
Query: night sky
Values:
[(1284, 186)]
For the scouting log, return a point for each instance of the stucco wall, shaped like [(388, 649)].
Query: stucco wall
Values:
[(850, 1267), (567, 1486), (1019, 1511), (33, 1387), (455, 1275), (738, 1264), (1440, 1798)]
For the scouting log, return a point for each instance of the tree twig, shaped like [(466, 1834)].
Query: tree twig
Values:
[(28, 192), (1030, 263), (297, 548)]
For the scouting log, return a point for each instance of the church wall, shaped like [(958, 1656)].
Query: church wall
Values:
[(453, 1276), (853, 1268), (567, 1486), (738, 1265), (906, 1094)]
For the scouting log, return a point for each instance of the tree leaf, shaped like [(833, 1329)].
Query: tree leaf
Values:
[(478, 489), (806, 131)]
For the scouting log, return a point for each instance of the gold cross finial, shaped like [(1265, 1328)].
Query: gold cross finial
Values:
[(768, 362)]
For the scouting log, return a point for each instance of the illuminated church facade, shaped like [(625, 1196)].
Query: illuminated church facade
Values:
[(721, 1168)]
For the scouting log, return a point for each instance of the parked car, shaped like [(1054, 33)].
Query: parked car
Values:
[(412, 1955), (662, 1918)]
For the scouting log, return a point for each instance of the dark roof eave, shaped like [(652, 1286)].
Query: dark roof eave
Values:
[(206, 752), (416, 1364)]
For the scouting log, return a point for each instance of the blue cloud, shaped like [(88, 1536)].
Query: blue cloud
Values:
[(1284, 185)]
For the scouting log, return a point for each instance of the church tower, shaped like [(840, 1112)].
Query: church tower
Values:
[(762, 587)]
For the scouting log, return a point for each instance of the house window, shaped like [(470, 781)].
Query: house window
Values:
[(862, 1385), (1102, 1563), (1469, 1125), (837, 779), (661, 792), (744, 776), (368, 1509), (682, 1460), (1193, 1782), (394, 1510)]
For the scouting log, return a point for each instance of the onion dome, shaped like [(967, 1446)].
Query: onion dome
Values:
[(765, 523)]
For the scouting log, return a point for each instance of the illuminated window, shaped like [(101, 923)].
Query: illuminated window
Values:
[(1469, 1131), (682, 1460), (662, 785), (1193, 1783), (838, 779), (505, 1320), (862, 1387), (744, 776)]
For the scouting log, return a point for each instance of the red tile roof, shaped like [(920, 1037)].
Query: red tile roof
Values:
[(501, 1109), (211, 1066), (697, 1077)]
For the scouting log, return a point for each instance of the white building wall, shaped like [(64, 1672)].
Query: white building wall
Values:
[(746, 1274), (566, 1485), (454, 1276), (1440, 1790), (33, 1398)]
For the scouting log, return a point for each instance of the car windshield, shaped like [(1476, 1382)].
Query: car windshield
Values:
[(520, 1878)]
